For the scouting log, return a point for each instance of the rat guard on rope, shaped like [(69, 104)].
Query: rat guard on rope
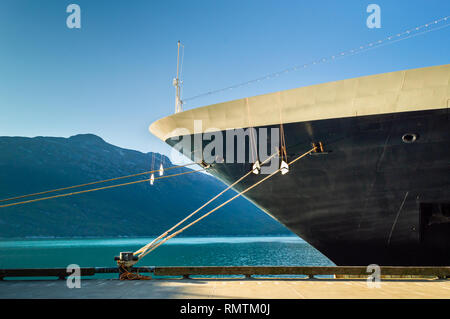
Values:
[(161, 167), (256, 169), (253, 147), (284, 167), (152, 176)]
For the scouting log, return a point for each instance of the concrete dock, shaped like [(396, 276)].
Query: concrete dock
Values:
[(253, 288)]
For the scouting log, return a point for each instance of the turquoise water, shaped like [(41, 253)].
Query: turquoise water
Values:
[(198, 251)]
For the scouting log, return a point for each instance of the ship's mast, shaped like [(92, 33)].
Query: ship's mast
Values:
[(177, 85)]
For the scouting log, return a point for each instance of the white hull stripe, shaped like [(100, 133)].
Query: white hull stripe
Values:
[(402, 91)]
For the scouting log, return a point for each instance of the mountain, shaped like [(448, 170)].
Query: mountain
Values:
[(29, 165)]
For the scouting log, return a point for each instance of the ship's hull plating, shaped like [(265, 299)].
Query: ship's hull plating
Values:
[(372, 198)]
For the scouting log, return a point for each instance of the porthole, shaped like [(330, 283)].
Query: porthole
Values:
[(409, 138)]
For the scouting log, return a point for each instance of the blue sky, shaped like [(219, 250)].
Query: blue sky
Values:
[(113, 77)]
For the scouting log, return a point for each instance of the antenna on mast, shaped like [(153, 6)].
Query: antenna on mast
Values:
[(177, 83)]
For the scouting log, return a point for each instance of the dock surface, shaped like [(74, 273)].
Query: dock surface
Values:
[(228, 288)]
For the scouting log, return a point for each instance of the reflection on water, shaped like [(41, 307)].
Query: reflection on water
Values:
[(82, 242)]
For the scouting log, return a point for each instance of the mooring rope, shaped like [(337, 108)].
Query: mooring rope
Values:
[(92, 183), (143, 249), (100, 188), (128, 275), (143, 254)]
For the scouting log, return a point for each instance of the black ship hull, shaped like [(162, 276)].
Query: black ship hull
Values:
[(379, 193), (371, 197)]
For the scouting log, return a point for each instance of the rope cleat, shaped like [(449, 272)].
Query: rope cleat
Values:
[(126, 260)]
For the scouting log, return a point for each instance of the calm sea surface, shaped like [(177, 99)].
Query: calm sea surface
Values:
[(194, 251)]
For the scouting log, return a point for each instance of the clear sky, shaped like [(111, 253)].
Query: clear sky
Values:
[(113, 77)]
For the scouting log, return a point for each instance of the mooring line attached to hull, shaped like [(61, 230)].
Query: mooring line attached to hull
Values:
[(92, 183), (163, 235), (144, 253), (100, 188)]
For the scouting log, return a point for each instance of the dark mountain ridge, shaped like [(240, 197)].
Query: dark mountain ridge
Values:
[(29, 165)]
